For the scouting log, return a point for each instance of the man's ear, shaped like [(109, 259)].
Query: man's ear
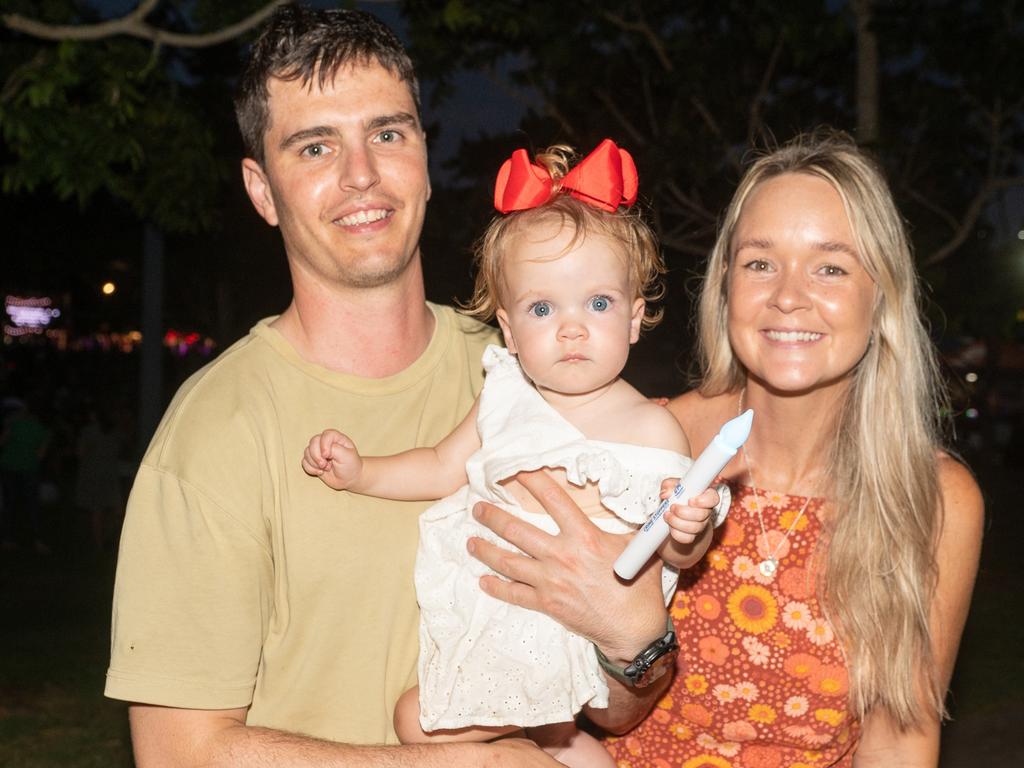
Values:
[(506, 330), (636, 319), (258, 187)]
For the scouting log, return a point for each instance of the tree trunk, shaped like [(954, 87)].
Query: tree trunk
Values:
[(867, 74)]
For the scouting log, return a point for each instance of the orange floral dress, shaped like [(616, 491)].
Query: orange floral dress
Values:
[(761, 681)]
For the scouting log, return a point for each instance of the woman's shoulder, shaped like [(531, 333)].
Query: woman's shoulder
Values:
[(962, 502)]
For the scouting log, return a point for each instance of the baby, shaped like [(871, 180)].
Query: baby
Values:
[(568, 270)]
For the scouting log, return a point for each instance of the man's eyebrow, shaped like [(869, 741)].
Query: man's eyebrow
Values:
[(316, 132), (399, 118)]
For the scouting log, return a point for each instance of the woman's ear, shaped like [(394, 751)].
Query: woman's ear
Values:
[(506, 330)]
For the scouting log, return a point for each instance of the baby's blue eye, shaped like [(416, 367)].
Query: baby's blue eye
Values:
[(540, 309), (600, 303)]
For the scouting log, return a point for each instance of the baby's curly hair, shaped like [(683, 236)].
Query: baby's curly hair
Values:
[(624, 228)]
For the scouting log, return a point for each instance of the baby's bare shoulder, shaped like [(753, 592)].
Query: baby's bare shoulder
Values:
[(655, 426)]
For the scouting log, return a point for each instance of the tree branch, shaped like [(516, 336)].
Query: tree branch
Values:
[(134, 24), (754, 124), (971, 216), (608, 102), (646, 32)]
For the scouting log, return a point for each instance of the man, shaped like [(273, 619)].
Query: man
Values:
[(259, 617)]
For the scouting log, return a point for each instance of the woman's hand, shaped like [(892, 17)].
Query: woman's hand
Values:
[(568, 575)]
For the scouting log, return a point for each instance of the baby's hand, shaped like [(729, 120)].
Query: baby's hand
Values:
[(687, 522), (333, 458)]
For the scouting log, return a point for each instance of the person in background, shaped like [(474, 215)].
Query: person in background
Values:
[(98, 480), (23, 443)]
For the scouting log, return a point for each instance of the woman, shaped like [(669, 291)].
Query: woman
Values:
[(823, 625)]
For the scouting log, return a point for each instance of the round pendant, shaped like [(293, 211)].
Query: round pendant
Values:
[(767, 567)]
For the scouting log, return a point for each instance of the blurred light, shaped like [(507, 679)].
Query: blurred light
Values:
[(971, 413), (1020, 315), (1020, 235), (971, 377), (108, 288)]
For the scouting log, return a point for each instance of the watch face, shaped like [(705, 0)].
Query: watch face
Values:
[(658, 667)]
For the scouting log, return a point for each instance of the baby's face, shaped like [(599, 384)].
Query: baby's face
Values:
[(569, 314)]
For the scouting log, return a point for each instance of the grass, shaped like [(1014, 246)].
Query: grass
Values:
[(54, 644)]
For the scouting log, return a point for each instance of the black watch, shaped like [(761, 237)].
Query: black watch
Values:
[(650, 664)]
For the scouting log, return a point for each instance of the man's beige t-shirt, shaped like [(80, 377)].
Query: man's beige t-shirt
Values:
[(242, 581)]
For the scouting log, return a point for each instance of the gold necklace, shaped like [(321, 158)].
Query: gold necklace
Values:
[(770, 564)]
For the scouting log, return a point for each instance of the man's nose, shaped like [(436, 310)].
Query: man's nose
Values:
[(359, 169)]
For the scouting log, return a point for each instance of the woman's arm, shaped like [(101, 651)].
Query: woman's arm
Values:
[(959, 546)]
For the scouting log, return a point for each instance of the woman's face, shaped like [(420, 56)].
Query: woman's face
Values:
[(800, 302)]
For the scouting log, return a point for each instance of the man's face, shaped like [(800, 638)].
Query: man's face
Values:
[(345, 177)]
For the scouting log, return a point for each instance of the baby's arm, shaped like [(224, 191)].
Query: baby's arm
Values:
[(689, 529), (419, 474)]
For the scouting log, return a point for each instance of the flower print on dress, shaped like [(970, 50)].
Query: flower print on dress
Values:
[(732, 533), (707, 761), (725, 694), (744, 567), (801, 664), (758, 756), (796, 615), (739, 730), (796, 706), (796, 583), (713, 650), (786, 520), (723, 660), (762, 713), (752, 608), (757, 652), (746, 690), (707, 607), (819, 632), (696, 684), (829, 680), (717, 560), (709, 743)]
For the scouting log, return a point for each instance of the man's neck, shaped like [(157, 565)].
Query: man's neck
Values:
[(364, 332)]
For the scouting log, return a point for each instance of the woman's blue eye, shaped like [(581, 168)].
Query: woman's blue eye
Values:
[(540, 309), (600, 303)]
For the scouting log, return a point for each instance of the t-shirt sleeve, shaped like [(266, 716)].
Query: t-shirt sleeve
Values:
[(192, 600)]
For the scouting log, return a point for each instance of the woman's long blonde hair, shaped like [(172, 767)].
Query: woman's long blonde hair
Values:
[(880, 570)]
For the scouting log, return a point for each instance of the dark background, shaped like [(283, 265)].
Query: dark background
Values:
[(110, 143)]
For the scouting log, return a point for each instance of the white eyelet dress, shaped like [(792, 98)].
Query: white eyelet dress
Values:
[(485, 662)]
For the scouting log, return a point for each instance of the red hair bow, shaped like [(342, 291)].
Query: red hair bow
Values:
[(605, 179)]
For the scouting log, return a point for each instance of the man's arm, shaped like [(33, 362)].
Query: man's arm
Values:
[(569, 577), (164, 737)]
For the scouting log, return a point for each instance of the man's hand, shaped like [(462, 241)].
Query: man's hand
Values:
[(569, 575)]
